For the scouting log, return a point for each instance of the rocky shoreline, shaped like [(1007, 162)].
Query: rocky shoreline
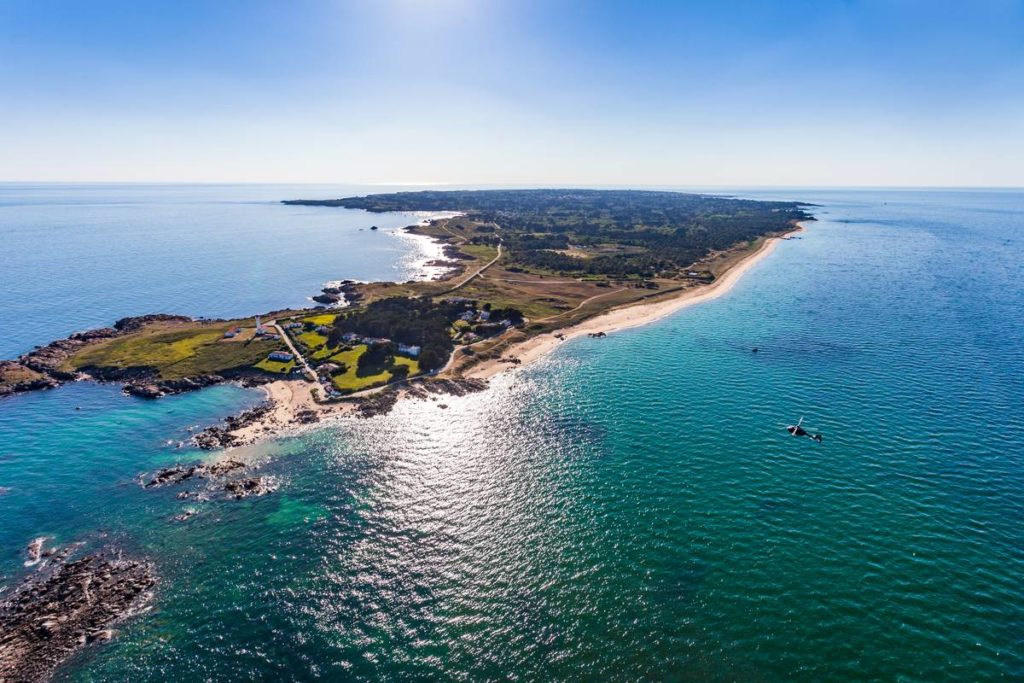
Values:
[(68, 605), (345, 293), (42, 367), (224, 436)]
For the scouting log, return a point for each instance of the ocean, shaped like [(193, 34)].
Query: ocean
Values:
[(626, 508), (81, 256)]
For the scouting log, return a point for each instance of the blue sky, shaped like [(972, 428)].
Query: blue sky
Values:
[(514, 92)]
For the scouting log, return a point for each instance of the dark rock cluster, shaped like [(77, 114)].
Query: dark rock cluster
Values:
[(346, 292), (236, 488), (31, 381), (222, 436), (177, 474), (166, 387), (327, 298), (250, 486), (71, 605), (306, 417)]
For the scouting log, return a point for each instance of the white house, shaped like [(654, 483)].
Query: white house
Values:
[(409, 350), (282, 356)]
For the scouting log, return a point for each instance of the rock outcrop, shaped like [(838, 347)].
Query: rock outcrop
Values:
[(180, 473), (45, 366), (166, 387), (250, 486), (67, 607), (221, 436)]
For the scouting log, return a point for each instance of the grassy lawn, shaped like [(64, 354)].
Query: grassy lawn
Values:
[(411, 363), (350, 381), (350, 357), (325, 319), (276, 366), (481, 251), (194, 350), (323, 352), (157, 350), (312, 340)]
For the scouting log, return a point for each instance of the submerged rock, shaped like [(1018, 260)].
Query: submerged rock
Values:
[(251, 486), (36, 551), (179, 473)]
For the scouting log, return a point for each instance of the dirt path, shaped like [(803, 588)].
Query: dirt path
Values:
[(475, 274), (581, 305)]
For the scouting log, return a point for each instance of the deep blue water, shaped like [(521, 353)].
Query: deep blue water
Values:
[(627, 508), (81, 256)]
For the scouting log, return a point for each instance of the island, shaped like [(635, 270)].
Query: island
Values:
[(526, 269)]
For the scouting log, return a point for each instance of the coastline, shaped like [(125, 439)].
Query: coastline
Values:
[(626, 317), (292, 398), (431, 249)]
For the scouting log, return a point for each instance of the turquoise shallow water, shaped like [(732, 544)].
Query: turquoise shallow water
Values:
[(627, 508)]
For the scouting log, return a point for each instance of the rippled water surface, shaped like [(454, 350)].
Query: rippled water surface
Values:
[(628, 508), (81, 256)]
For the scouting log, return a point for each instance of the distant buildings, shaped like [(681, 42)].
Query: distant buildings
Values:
[(282, 356)]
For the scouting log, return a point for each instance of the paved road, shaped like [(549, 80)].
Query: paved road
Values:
[(310, 375)]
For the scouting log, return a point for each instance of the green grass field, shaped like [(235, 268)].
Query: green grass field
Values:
[(178, 353), (276, 366), (325, 319), (312, 340), (412, 364), (349, 381), (349, 357)]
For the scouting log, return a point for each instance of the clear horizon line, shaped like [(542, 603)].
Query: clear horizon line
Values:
[(510, 185)]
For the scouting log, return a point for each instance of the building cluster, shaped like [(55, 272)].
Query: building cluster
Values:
[(410, 350)]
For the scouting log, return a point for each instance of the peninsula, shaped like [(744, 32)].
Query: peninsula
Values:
[(526, 268)]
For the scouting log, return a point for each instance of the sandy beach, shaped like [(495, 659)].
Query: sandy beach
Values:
[(626, 317), (292, 398)]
